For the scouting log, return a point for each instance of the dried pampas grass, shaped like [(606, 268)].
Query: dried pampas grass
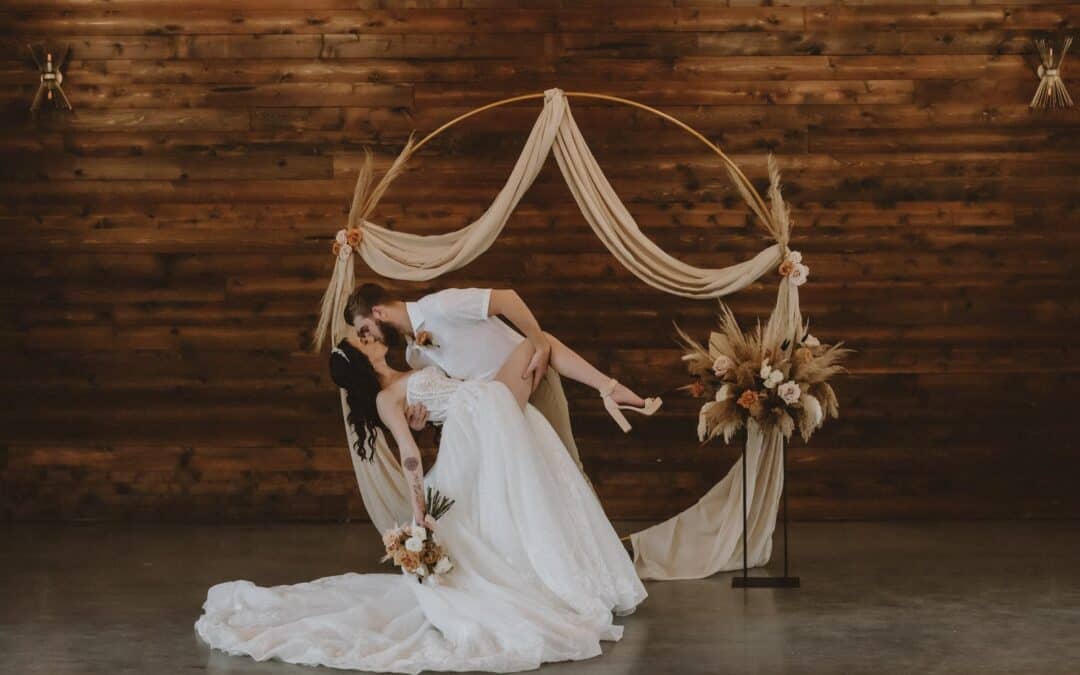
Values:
[(343, 279)]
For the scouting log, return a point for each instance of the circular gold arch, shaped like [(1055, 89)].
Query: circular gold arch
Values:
[(733, 168), (731, 165)]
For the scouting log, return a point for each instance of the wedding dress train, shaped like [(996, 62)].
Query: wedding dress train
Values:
[(538, 569)]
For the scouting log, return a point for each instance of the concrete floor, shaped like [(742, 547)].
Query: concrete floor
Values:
[(876, 598)]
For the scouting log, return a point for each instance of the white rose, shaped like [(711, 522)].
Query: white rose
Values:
[(789, 392), (794, 256), (413, 544), (723, 393), (722, 364), (799, 274), (765, 369), (341, 237), (774, 378), (418, 532), (344, 251), (811, 341), (443, 566)]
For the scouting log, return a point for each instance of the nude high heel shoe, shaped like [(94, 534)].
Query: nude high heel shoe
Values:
[(615, 410)]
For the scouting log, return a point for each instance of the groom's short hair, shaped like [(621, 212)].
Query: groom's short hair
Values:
[(364, 298)]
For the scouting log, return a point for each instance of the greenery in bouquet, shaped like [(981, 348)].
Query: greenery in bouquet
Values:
[(785, 386)]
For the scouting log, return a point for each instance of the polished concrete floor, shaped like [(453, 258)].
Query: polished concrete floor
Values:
[(876, 598)]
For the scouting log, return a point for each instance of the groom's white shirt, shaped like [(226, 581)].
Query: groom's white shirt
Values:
[(471, 344)]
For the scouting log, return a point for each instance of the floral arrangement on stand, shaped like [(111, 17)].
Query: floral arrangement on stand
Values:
[(783, 386), (414, 547)]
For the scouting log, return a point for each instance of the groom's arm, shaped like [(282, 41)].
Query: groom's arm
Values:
[(508, 303)]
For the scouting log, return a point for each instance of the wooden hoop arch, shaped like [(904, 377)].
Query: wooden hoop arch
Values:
[(736, 172)]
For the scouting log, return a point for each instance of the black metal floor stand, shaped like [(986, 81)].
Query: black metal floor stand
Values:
[(747, 581)]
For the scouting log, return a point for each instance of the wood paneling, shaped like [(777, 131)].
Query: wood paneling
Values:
[(163, 250)]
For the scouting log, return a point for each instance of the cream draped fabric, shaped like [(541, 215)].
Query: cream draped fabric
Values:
[(413, 257), (705, 538)]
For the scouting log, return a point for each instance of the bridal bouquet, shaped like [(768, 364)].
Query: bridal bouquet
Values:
[(773, 385), (414, 548)]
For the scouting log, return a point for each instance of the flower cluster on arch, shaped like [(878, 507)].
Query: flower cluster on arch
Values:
[(346, 241)]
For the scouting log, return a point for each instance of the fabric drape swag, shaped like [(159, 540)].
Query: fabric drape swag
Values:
[(707, 537)]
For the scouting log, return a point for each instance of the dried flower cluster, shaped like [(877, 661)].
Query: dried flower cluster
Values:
[(785, 386), (793, 268), (346, 241), (415, 550)]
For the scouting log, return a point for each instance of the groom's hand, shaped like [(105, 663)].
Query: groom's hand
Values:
[(538, 365), (417, 415)]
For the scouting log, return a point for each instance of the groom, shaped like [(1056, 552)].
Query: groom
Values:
[(459, 330)]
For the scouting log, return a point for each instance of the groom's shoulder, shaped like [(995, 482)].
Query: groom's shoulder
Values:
[(472, 302)]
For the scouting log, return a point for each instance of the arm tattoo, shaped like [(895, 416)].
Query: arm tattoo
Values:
[(416, 483)]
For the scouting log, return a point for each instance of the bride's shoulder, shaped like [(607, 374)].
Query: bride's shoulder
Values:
[(393, 394)]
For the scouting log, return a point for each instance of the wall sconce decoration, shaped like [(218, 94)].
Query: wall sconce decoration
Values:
[(1051, 92), (52, 77)]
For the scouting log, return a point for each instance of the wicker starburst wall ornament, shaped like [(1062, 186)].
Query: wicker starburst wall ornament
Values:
[(1051, 92), (52, 79)]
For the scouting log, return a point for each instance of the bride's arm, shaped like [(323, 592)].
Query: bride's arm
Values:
[(391, 405)]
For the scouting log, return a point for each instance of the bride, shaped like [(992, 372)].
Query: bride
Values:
[(538, 568)]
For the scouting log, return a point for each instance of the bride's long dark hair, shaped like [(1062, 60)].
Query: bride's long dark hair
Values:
[(353, 372)]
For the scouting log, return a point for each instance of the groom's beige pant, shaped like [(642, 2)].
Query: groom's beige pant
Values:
[(550, 399)]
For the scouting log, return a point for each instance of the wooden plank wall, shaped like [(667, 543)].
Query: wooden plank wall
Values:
[(163, 250)]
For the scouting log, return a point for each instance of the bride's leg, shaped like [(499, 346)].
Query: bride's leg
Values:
[(511, 370), (571, 364)]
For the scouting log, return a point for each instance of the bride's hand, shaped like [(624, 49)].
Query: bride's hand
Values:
[(538, 365)]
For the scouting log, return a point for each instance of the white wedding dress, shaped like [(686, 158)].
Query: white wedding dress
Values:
[(538, 568)]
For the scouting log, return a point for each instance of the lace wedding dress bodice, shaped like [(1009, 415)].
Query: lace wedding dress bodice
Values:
[(432, 388)]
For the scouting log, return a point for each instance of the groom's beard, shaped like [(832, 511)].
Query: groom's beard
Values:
[(391, 335)]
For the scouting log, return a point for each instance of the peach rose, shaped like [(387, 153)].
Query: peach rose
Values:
[(786, 268), (354, 237), (409, 561), (748, 398), (697, 390), (802, 356)]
